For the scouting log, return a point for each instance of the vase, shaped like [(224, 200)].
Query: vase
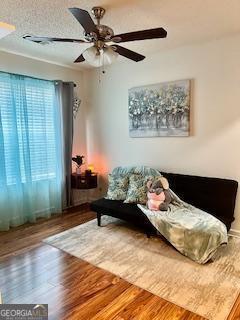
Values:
[(78, 170)]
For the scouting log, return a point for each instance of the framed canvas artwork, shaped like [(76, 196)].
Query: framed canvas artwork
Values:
[(160, 110)]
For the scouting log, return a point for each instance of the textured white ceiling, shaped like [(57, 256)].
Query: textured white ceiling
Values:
[(187, 21)]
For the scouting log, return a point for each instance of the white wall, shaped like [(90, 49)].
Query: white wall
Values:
[(212, 150), (27, 66)]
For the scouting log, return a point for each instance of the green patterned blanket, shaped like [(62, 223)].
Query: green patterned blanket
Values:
[(193, 232)]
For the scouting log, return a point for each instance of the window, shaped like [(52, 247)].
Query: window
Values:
[(29, 131)]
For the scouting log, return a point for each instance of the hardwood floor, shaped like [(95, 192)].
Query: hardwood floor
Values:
[(33, 272)]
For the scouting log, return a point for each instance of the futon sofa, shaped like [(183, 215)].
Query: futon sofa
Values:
[(213, 195)]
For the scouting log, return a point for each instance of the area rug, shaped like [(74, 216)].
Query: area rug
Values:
[(208, 290)]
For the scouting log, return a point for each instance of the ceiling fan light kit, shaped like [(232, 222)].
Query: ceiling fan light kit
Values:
[(99, 58), (105, 48)]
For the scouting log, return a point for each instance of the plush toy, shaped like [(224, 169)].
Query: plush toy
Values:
[(158, 194)]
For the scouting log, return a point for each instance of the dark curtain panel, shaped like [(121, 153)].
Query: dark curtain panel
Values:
[(65, 100)]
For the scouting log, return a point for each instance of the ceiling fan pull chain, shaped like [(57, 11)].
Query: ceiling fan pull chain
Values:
[(99, 75), (99, 69), (103, 66)]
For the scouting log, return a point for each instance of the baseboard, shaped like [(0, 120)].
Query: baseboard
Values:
[(234, 233)]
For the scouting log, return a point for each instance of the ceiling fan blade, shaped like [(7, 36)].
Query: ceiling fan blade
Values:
[(84, 18), (79, 59), (141, 35), (46, 39), (128, 53)]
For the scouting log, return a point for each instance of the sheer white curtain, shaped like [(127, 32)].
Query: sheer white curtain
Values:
[(31, 150)]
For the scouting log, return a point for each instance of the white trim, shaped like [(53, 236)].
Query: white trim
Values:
[(43, 60), (234, 233)]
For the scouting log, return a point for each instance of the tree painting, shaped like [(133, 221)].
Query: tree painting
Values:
[(160, 110)]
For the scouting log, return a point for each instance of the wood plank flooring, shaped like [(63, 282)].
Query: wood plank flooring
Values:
[(33, 272)]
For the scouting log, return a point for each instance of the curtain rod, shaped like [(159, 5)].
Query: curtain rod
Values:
[(18, 74)]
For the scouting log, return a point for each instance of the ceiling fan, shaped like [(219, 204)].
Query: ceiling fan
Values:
[(101, 52)]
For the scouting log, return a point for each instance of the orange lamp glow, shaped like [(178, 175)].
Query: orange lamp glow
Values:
[(91, 167)]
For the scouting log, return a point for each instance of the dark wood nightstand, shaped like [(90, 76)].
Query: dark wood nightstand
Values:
[(84, 181)]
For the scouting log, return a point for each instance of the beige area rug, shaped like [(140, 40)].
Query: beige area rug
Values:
[(209, 290)]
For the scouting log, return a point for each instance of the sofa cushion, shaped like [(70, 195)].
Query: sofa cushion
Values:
[(137, 189), (118, 187)]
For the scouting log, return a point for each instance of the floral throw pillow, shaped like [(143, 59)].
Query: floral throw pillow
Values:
[(137, 189), (117, 188)]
